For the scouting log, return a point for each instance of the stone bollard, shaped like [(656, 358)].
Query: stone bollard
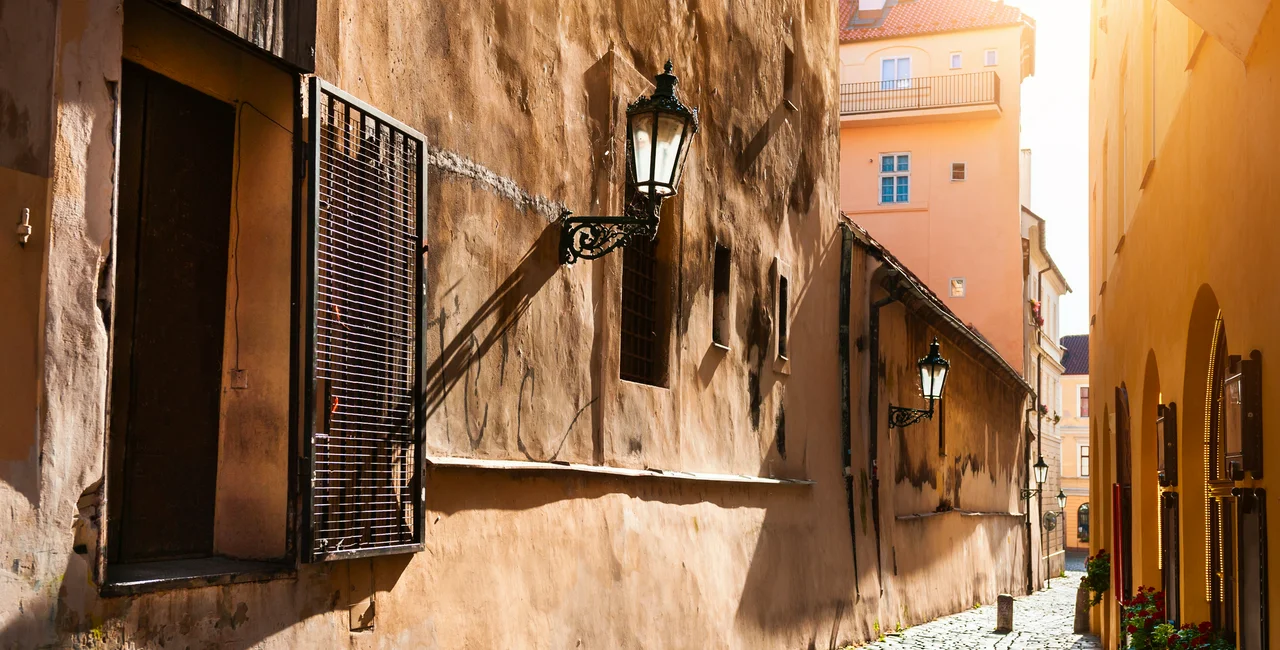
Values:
[(1081, 625), (1004, 614)]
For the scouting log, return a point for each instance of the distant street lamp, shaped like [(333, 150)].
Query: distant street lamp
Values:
[(1062, 502), (933, 377), (659, 131)]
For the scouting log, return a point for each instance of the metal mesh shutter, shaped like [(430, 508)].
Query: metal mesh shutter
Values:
[(365, 423)]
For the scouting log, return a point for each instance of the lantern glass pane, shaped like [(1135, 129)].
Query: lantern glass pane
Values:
[(939, 379), (642, 146), (684, 153), (926, 380), (667, 151), (1042, 471), (1233, 408)]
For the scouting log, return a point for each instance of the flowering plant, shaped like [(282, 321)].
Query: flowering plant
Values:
[(1097, 576), (1035, 313), (1190, 636), (1140, 615), (1044, 410), (1143, 617)]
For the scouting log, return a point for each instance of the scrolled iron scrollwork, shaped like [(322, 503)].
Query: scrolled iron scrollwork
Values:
[(900, 418), (589, 238)]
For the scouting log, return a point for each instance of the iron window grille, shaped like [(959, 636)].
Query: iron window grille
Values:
[(641, 353), (366, 293)]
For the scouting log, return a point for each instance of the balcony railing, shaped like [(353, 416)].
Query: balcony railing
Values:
[(916, 93)]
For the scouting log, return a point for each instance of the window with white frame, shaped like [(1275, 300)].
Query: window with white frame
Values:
[(895, 73), (895, 178), (989, 58), (956, 61), (1082, 402), (1084, 461), (959, 171)]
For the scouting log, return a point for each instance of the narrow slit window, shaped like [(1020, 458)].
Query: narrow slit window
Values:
[(784, 303), (720, 320)]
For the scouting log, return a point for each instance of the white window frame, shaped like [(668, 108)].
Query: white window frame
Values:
[(957, 60), (964, 171), (895, 174), (990, 58), (1083, 452), (897, 82), (951, 287), (1079, 411)]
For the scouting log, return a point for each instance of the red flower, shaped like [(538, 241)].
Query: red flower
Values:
[(1132, 628)]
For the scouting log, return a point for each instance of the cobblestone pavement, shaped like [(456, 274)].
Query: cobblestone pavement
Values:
[(1041, 621), (1076, 560)]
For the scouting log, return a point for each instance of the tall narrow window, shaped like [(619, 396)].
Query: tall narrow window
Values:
[(365, 370), (895, 178), (1084, 461), (640, 315), (1084, 401), (784, 315), (720, 319), (895, 73)]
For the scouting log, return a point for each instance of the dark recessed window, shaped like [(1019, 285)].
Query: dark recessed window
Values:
[(641, 319), (720, 321), (784, 304)]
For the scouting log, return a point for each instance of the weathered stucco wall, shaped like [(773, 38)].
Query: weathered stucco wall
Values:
[(522, 105)]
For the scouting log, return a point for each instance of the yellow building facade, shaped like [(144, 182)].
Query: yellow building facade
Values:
[(1182, 117)]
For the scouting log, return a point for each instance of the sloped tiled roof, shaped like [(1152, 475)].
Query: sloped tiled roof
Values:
[(918, 17), (1076, 358)]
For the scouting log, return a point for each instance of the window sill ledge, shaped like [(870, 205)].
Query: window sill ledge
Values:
[(451, 462), (963, 513), (147, 577)]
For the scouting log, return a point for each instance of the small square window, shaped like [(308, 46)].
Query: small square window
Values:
[(956, 287), (956, 61), (989, 58), (958, 171)]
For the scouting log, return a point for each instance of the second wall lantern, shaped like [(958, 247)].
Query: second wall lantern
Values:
[(659, 131), (933, 377)]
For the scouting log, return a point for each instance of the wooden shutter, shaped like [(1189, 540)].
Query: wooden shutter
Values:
[(1171, 555), (364, 413)]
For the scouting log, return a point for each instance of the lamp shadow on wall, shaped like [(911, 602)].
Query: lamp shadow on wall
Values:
[(508, 303)]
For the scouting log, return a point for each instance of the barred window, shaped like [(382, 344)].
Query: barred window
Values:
[(365, 421)]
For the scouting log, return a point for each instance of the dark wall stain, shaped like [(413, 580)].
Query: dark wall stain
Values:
[(756, 352)]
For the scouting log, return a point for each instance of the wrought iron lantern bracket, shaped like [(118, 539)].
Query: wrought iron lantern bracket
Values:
[(589, 238), (901, 417), (1027, 493)]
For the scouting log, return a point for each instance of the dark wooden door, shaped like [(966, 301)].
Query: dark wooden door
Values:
[(1124, 483), (175, 206)]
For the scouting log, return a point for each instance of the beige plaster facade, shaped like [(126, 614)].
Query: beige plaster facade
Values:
[(1076, 457), (746, 502), (948, 230), (1182, 101)]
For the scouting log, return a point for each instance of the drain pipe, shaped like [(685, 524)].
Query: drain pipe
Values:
[(846, 418), (1026, 464), (873, 409)]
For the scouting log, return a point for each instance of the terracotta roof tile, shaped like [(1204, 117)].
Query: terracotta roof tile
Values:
[(918, 17), (1076, 358)]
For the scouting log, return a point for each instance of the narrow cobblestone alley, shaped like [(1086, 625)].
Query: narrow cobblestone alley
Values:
[(1041, 621)]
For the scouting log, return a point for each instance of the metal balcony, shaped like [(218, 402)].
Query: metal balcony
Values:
[(974, 89)]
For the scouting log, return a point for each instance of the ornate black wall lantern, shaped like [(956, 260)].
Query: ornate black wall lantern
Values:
[(1242, 390), (933, 376), (1167, 444), (1042, 474), (1062, 500), (659, 131)]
